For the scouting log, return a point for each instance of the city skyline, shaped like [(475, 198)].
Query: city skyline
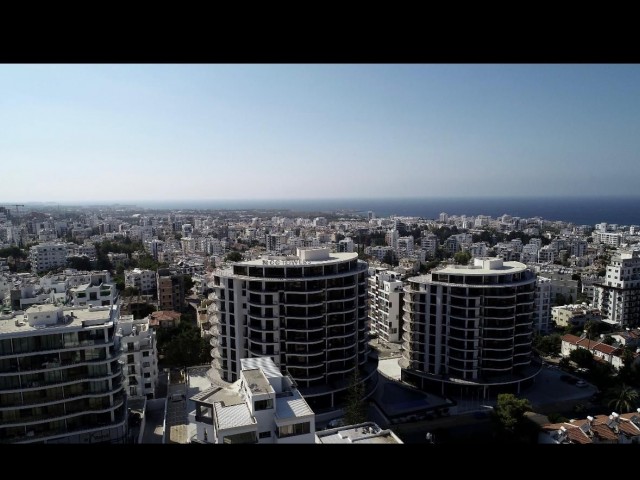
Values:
[(103, 133)]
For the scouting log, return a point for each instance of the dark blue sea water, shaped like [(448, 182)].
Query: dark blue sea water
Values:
[(578, 210)]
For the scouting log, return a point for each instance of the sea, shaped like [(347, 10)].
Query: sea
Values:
[(577, 210)]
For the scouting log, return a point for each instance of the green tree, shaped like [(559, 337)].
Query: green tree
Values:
[(355, 408), (623, 398), (564, 363), (233, 257), (79, 263), (389, 257), (548, 344), (188, 282), (509, 411), (183, 346), (462, 258), (560, 300), (582, 357)]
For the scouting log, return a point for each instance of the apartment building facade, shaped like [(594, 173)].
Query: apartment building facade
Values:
[(308, 312), (60, 376), (469, 328), (385, 293)]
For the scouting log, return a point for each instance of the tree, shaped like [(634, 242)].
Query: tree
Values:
[(389, 257), (354, 411), (582, 357), (560, 300), (510, 410), (623, 398), (462, 258), (79, 263), (564, 363), (548, 344), (233, 257), (183, 345)]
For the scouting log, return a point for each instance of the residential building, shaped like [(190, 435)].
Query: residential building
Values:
[(613, 239), (542, 307), (610, 354), (618, 295), (385, 304), (48, 256), (614, 428), (309, 312), (359, 434), (143, 280), (96, 294), (574, 315), (469, 328), (263, 406), (164, 319), (60, 380), (140, 356), (170, 289)]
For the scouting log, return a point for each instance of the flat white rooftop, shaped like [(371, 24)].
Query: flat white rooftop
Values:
[(233, 416), (292, 407), (8, 325), (361, 433)]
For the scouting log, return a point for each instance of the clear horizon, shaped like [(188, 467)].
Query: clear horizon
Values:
[(149, 133)]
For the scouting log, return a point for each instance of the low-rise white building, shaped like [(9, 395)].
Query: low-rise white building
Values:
[(48, 256), (263, 406), (143, 280), (96, 294)]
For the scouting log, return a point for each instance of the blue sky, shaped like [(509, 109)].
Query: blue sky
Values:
[(80, 133)]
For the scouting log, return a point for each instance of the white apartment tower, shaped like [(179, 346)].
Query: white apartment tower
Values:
[(469, 328), (60, 376), (385, 304), (308, 312), (48, 256), (140, 356), (618, 296), (542, 308)]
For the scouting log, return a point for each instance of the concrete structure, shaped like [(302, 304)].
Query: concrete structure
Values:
[(95, 294), (574, 315), (618, 295), (140, 356), (309, 312), (613, 239), (385, 304), (470, 327), (170, 289), (60, 379), (360, 434), (143, 280), (263, 406), (542, 307), (164, 319), (48, 256)]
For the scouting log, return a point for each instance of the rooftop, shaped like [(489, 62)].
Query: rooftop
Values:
[(361, 433), (73, 317), (233, 416), (292, 407), (256, 381)]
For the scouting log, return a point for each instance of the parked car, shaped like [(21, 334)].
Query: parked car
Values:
[(581, 383)]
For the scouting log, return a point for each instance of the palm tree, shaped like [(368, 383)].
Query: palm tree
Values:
[(623, 398)]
